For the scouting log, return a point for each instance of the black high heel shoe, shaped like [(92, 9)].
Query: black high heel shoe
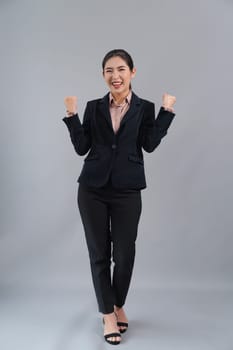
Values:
[(122, 324), (110, 335)]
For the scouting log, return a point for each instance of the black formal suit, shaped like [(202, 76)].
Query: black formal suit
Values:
[(110, 183), (119, 154)]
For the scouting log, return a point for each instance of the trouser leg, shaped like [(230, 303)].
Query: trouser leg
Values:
[(94, 214), (125, 211)]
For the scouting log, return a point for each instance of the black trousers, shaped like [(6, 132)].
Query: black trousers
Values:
[(110, 219)]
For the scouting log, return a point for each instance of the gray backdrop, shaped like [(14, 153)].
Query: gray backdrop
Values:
[(50, 49)]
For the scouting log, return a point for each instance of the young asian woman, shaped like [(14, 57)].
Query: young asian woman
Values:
[(115, 130)]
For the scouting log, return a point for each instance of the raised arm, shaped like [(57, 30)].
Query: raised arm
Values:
[(154, 129), (80, 133)]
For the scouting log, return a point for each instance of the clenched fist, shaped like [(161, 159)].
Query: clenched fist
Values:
[(71, 105), (168, 101)]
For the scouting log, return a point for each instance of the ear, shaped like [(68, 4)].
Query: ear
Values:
[(133, 73)]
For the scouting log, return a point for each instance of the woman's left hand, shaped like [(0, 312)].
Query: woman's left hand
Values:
[(168, 101)]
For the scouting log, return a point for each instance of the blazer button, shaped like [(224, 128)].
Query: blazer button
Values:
[(113, 146)]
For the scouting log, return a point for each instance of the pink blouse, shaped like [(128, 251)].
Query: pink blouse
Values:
[(117, 112)]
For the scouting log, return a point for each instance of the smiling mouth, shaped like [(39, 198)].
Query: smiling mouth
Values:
[(117, 84)]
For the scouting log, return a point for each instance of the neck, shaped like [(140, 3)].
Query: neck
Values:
[(119, 98)]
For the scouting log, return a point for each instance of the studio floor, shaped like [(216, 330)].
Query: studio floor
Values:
[(162, 319)]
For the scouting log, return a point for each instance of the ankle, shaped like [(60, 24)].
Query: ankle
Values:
[(119, 310), (109, 317)]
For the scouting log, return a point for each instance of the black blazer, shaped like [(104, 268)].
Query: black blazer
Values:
[(119, 154)]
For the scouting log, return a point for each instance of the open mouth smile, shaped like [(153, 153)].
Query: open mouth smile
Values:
[(117, 84)]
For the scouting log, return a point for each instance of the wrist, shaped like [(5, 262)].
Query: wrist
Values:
[(70, 114), (168, 108)]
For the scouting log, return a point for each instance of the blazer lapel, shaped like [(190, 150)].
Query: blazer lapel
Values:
[(133, 109), (104, 107)]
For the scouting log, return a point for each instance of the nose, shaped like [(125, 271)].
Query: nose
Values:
[(115, 74)]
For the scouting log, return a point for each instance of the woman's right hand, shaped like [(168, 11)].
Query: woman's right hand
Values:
[(71, 105)]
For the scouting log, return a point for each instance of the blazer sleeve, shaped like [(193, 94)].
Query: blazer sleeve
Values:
[(153, 130), (80, 133)]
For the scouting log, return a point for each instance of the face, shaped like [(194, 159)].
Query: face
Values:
[(118, 75)]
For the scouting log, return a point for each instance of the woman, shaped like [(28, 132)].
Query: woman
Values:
[(115, 129)]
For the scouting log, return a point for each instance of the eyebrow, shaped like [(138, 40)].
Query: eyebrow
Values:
[(116, 67)]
